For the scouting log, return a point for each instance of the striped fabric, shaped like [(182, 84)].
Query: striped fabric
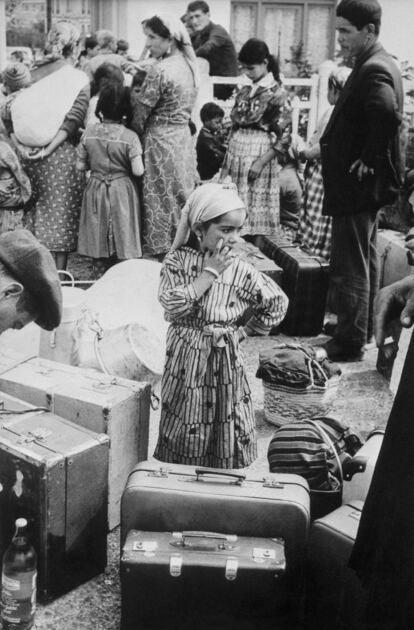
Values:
[(314, 231), (299, 448), (207, 414)]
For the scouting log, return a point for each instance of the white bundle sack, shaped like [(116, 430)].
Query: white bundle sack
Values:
[(39, 110), (123, 308)]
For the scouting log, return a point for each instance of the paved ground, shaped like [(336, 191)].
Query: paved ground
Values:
[(363, 400)]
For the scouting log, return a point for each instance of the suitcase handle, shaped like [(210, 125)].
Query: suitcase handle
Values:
[(224, 545), (196, 534), (239, 477)]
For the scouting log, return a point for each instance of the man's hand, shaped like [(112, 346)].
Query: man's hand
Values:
[(362, 170), (396, 300)]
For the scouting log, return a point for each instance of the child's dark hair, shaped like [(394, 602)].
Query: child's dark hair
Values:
[(106, 73), (90, 43), (122, 46), (138, 78), (112, 102), (210, 111), (360, 13), (256, 51)]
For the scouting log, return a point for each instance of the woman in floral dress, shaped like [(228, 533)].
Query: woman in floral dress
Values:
[(261, 131), (160, 117), (57, 186)]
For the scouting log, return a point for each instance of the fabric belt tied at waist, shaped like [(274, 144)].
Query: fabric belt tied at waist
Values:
[(108, 179)]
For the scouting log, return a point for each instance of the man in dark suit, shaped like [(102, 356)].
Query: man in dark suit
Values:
[(212, 42), (361, 168)]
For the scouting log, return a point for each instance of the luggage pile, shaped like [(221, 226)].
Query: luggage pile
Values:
[(65, 455), (225, 550)]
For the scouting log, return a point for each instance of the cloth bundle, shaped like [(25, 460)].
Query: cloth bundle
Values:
[(315, 449)]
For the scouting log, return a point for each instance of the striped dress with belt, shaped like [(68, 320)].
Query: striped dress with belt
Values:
[(207, 413)]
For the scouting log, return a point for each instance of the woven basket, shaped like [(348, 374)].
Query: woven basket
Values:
[(283, 404)]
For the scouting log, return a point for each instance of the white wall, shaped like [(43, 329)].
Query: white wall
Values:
[(138, 10), (397, 31)]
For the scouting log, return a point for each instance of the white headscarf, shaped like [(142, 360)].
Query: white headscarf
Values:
[(180, 33), (205, 203)]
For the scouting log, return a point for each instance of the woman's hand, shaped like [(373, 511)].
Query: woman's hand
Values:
[(255, 170), (36, 155), (219, 259)]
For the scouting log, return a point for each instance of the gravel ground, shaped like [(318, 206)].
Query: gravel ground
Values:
[(363, 400)]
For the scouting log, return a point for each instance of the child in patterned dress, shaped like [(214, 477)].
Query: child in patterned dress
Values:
[(261, 125), (207, 413), (109, 223)]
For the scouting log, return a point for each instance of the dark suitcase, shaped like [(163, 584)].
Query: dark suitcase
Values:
[(305, 281), (55, 474), (251, 254), (334, 594), (177, 497), (206, 580)]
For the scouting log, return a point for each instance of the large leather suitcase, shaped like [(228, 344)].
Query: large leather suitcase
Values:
[(55, 474), (104, 404), (334, 594), (178, 497), (360, 468), (206, 580), (305, 281)]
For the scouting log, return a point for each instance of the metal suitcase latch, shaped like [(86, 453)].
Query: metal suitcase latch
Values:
[(232, 566), (176, 562), (268, 482), (260, 554), (161, 472), (145, 546), (37, 434), (356, 515)]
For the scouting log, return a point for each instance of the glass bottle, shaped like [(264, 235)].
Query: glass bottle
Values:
[(18, 581)]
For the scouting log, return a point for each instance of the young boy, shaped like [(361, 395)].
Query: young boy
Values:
[(15, 78), (210, 148)]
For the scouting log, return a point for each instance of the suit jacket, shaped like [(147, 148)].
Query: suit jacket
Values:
[(364, 125), (215, 44)]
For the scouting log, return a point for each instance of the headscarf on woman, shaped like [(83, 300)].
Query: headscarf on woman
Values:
[(206, 202), (62, 36), (179, 32)]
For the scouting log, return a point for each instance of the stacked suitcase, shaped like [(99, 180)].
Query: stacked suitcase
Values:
[(213, 542), (334, 594), (55, 474), (305, 281), (65, 455), (100, 403)]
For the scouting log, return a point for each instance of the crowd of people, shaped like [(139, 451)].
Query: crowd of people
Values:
[(108, 166)]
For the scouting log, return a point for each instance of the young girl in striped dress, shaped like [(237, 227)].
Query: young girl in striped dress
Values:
[(207, 414)]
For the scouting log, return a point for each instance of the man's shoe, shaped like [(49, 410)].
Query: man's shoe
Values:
[(337, 352)]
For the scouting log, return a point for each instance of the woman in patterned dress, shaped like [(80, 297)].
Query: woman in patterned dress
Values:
[(261, 131), (314, 229), (57, 186), (160, 117), (207, 413)]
